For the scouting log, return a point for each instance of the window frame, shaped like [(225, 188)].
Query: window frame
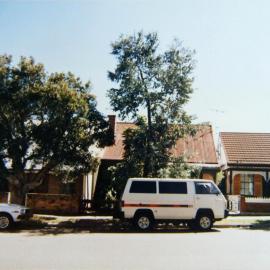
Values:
[(207, 183), (173, 182), (136, 181), (244, 184)]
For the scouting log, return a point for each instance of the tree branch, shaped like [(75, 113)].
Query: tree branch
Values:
[(38, 178)]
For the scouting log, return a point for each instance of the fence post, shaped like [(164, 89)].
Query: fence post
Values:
[(243, 206)]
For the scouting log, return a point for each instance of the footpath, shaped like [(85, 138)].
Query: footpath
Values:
[(244, 221), (97, 221)]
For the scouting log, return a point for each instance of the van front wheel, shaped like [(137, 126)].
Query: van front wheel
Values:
[(204, 222), (143, 221)]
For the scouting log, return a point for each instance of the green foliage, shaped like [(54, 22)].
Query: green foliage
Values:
[(151, 88), (221, 181), (47, 121), (219, 177), (133, 167), (156, 85), (178, 168), (149, 79)]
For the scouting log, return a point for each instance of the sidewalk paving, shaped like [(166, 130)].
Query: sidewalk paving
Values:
[(243, 221), (229, 222)]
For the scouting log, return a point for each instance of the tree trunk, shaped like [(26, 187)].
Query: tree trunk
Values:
[(19, 186), (21, 183), (148, 164), (18, 195)]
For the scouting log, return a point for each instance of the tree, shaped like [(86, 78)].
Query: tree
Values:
[(179, 168), (47, 122), (157, 85)]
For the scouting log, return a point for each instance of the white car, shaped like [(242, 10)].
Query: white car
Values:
[(197, 202), (10, 213)]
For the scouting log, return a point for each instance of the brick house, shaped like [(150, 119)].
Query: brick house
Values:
[(198, 150), (55, 196), (245, 161), (52, 196)]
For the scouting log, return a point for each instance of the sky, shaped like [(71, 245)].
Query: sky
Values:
[(231, 39)]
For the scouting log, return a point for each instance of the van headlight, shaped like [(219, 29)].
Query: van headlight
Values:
[(22, 211)]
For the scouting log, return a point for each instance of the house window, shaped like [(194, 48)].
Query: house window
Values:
[(247, 184)]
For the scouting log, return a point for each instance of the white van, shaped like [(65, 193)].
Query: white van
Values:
[(196, 202)]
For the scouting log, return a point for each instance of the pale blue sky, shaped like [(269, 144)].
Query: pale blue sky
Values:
[(231, 38)]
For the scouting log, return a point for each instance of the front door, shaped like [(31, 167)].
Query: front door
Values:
[(208, 196)]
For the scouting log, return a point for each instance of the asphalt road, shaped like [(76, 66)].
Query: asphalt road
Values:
[(220, 249)]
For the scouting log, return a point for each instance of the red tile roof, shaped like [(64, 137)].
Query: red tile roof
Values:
[(198, 149), (246, 148)]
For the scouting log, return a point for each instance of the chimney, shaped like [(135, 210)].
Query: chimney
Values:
[(112, 119)]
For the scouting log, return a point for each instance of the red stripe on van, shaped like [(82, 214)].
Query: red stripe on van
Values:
[(155, 205)]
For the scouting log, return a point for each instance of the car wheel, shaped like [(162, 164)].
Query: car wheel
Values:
[(5, 221), (204, 222), (143, 222)]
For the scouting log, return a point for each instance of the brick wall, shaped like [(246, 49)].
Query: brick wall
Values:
[(207, 176), (4, 197), (53, 203), (254, 207), (54, 184)]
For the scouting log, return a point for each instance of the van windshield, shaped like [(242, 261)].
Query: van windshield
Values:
[(206, 188)]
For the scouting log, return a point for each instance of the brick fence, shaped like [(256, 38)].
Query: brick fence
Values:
[(53, 203), (4, 197), (262, 205)]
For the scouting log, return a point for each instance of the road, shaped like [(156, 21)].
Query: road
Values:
[(220, 249)]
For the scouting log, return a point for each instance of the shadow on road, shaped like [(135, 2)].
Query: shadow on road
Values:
[(34, 228), (263, 225)]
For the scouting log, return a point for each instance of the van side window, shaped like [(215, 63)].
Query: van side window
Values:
[(172, 187), (143, 187), (205, 188)]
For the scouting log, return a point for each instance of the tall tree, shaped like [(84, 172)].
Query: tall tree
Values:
[(47, 122), (157, 85)]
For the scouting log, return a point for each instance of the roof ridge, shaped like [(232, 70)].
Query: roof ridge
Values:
[(133, 123)]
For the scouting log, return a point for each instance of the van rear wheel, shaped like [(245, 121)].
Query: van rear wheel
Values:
[(143, 221)]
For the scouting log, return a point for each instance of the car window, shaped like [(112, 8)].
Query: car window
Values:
[(143, 187), (166, 187), (205, 188)]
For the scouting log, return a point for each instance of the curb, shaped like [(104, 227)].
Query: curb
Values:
[(80, 223), (228, 226)]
